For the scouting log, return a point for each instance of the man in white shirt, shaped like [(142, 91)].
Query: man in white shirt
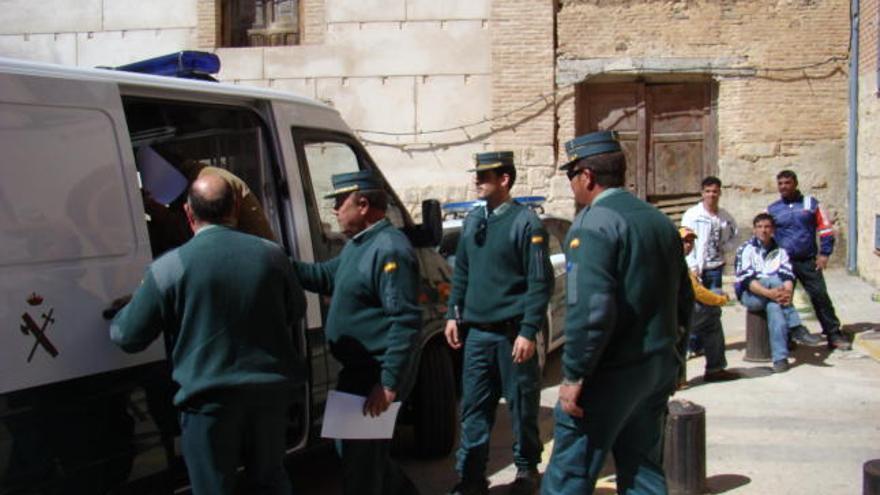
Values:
[(716, 232)]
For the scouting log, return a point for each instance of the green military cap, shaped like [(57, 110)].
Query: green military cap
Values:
[(362, 180), (492, 160), (594, 143)]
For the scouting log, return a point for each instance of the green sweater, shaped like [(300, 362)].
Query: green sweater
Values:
[(374, 314), (627, 286), (228, 301), (509, 276)]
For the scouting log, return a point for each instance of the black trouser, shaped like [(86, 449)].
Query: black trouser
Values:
[(814, 284), (706, 324)]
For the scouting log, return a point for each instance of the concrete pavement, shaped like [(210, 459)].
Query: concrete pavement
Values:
[(807, 431)]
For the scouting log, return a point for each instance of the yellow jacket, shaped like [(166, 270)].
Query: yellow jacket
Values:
[(704, 295)]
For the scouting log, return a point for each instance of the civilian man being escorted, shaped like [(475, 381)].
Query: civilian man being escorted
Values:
[(798, 219), (373, 323), (229, 302), (501, 285), (628, 295)]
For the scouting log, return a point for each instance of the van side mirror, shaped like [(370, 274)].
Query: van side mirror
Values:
[(430, 231)]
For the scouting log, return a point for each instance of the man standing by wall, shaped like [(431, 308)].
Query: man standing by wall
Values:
[(798, 219), (715, 231), (501, 285), (373, 323), (628, 293), (230, 302)]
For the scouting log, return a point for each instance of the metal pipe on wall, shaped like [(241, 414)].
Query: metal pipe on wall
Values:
[(853, 140)]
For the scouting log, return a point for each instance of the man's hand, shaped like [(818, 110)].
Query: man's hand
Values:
[(379, 400), (569, 393), (523, 349), (821, 262), (451, 333)]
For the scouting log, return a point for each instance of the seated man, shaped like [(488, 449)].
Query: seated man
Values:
[(764, 282), (706, 322)]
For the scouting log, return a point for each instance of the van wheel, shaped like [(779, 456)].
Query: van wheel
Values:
[(434, 400)]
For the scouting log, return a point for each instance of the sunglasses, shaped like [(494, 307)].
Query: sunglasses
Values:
[(480, 234), (573, 172)]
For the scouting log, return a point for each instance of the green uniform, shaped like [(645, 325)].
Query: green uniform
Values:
[(373, 327), (500, 288), (228, 302), (627, 295)]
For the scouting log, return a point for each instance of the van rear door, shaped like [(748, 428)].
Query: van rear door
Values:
[(72, 230)]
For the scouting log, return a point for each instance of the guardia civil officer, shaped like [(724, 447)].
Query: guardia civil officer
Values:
[(373, 323), (501, 285), (628, 293), (228, 302)]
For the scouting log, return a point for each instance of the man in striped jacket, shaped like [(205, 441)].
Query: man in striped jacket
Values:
[(799, 218)]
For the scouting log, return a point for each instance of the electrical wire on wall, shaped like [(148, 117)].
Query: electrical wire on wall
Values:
[(483, 129)]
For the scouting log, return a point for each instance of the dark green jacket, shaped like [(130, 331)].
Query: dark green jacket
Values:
[(228, 301), (627, 285), (374, 313), (509, 276)]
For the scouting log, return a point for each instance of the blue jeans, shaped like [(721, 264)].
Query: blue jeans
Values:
[(779, 318), (712, 277)]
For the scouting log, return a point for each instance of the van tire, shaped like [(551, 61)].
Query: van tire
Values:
[(436, 415)]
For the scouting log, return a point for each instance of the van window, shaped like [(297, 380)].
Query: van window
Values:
[(325, 157), (193, 139), (62, 196)]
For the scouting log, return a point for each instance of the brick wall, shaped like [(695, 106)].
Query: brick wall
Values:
[(313, 24), (523, 100), (782, 84), (207, 30)]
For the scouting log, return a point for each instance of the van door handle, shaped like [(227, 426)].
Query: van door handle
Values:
[(115, 306)]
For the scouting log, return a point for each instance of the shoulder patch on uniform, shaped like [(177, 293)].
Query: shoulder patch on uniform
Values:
[(537, 239), (574, 243), (389, 267)]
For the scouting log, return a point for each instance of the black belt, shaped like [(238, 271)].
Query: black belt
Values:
[(504, 326)]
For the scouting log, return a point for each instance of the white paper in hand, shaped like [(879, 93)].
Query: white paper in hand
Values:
[(344, 418)]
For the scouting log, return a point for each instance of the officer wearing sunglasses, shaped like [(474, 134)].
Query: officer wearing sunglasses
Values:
[(627, 294), (501, 285)]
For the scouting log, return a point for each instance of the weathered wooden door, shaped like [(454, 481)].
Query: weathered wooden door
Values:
[(667, 132)]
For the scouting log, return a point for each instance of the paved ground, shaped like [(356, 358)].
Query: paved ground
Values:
[(807, 431)]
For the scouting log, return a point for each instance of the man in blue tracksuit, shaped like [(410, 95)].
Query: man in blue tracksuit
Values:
[(799, 219)]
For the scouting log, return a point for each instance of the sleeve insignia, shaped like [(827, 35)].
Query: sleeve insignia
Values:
[(390, 267), (574, 243), (537, 239)]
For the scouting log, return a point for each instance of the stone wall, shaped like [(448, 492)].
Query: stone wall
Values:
[(782, 84), (89, 33), (411, 77), (868, 144)]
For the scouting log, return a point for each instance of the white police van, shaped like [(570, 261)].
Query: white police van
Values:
[(77, 415)]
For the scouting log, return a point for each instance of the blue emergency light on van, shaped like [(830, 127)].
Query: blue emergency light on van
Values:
[(187, 64)]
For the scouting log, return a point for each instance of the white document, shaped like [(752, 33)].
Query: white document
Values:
[(344, 418), (164, 182)]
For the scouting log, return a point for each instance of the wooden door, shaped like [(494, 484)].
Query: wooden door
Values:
[(667, 132)]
